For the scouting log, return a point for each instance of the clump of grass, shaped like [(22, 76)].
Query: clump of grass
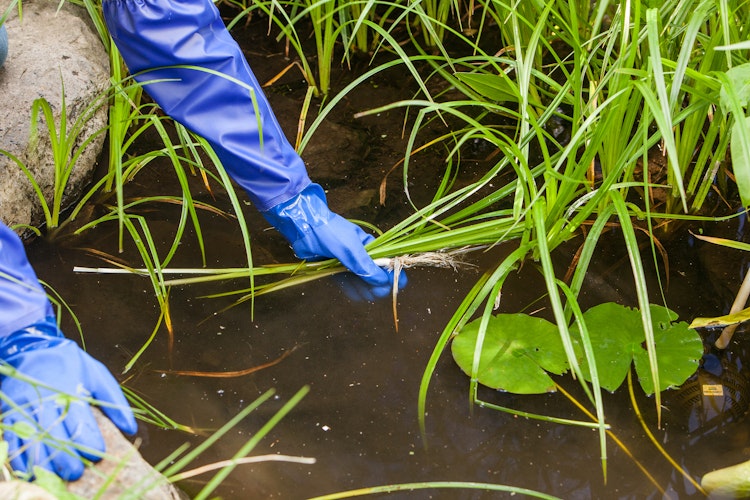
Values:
[(67, 145)]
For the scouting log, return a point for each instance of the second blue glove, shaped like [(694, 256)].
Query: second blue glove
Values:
[(48, 422)]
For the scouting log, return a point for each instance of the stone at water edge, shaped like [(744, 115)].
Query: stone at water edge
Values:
[(729, 482), (122, 473), (21, 490)]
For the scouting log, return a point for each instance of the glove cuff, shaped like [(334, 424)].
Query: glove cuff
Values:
[(37, 336), (297, 217)]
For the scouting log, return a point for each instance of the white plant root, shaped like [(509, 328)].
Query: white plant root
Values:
[(446, 259)]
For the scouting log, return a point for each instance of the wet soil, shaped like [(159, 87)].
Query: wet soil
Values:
[(360, 420)]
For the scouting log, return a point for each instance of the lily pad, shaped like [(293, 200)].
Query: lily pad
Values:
[(520, 351), (678, 352), (517, 354), (618, 339), (615, 335)]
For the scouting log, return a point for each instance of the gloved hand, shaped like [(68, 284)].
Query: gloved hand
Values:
[(316, 233), (42, 425), (47, 424), (167, 45)]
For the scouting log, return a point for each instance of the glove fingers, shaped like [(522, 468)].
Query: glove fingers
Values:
[(84, 432), (345, 241), (66, 429), (49, 448), (19, 451), (117, 409), (58, 444)]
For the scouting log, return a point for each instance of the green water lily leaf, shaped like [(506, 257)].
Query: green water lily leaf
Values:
[(517, 354), (618, 339), (678, 352), (616, 334), (519, 351), (495, 88)]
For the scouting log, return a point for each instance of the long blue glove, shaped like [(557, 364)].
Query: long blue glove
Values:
[(44, 375), (214, 93)]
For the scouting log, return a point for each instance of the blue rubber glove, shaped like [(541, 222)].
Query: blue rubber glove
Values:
[(156, 36), (62, 429), (315, 233), (42, 424), (163, 42)]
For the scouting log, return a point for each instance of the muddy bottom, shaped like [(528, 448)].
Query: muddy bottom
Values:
[(360, 420)]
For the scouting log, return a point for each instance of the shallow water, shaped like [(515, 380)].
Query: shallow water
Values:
[(359, 420)]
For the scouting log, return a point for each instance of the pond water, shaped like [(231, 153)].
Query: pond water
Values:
[(359, 420)]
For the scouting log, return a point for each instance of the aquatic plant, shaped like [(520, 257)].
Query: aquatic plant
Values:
[(623, 75), (347, 25), (67, 145), (519, 351)]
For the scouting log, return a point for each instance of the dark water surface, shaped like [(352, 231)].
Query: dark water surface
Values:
[(359, 420)]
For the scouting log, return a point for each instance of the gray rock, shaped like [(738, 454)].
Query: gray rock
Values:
[(21, 490), (122, 474), (48, 49)]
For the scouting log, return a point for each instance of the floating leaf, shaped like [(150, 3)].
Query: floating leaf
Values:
[(617, 336), (495, 88), (517, 352), (678, 352)]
